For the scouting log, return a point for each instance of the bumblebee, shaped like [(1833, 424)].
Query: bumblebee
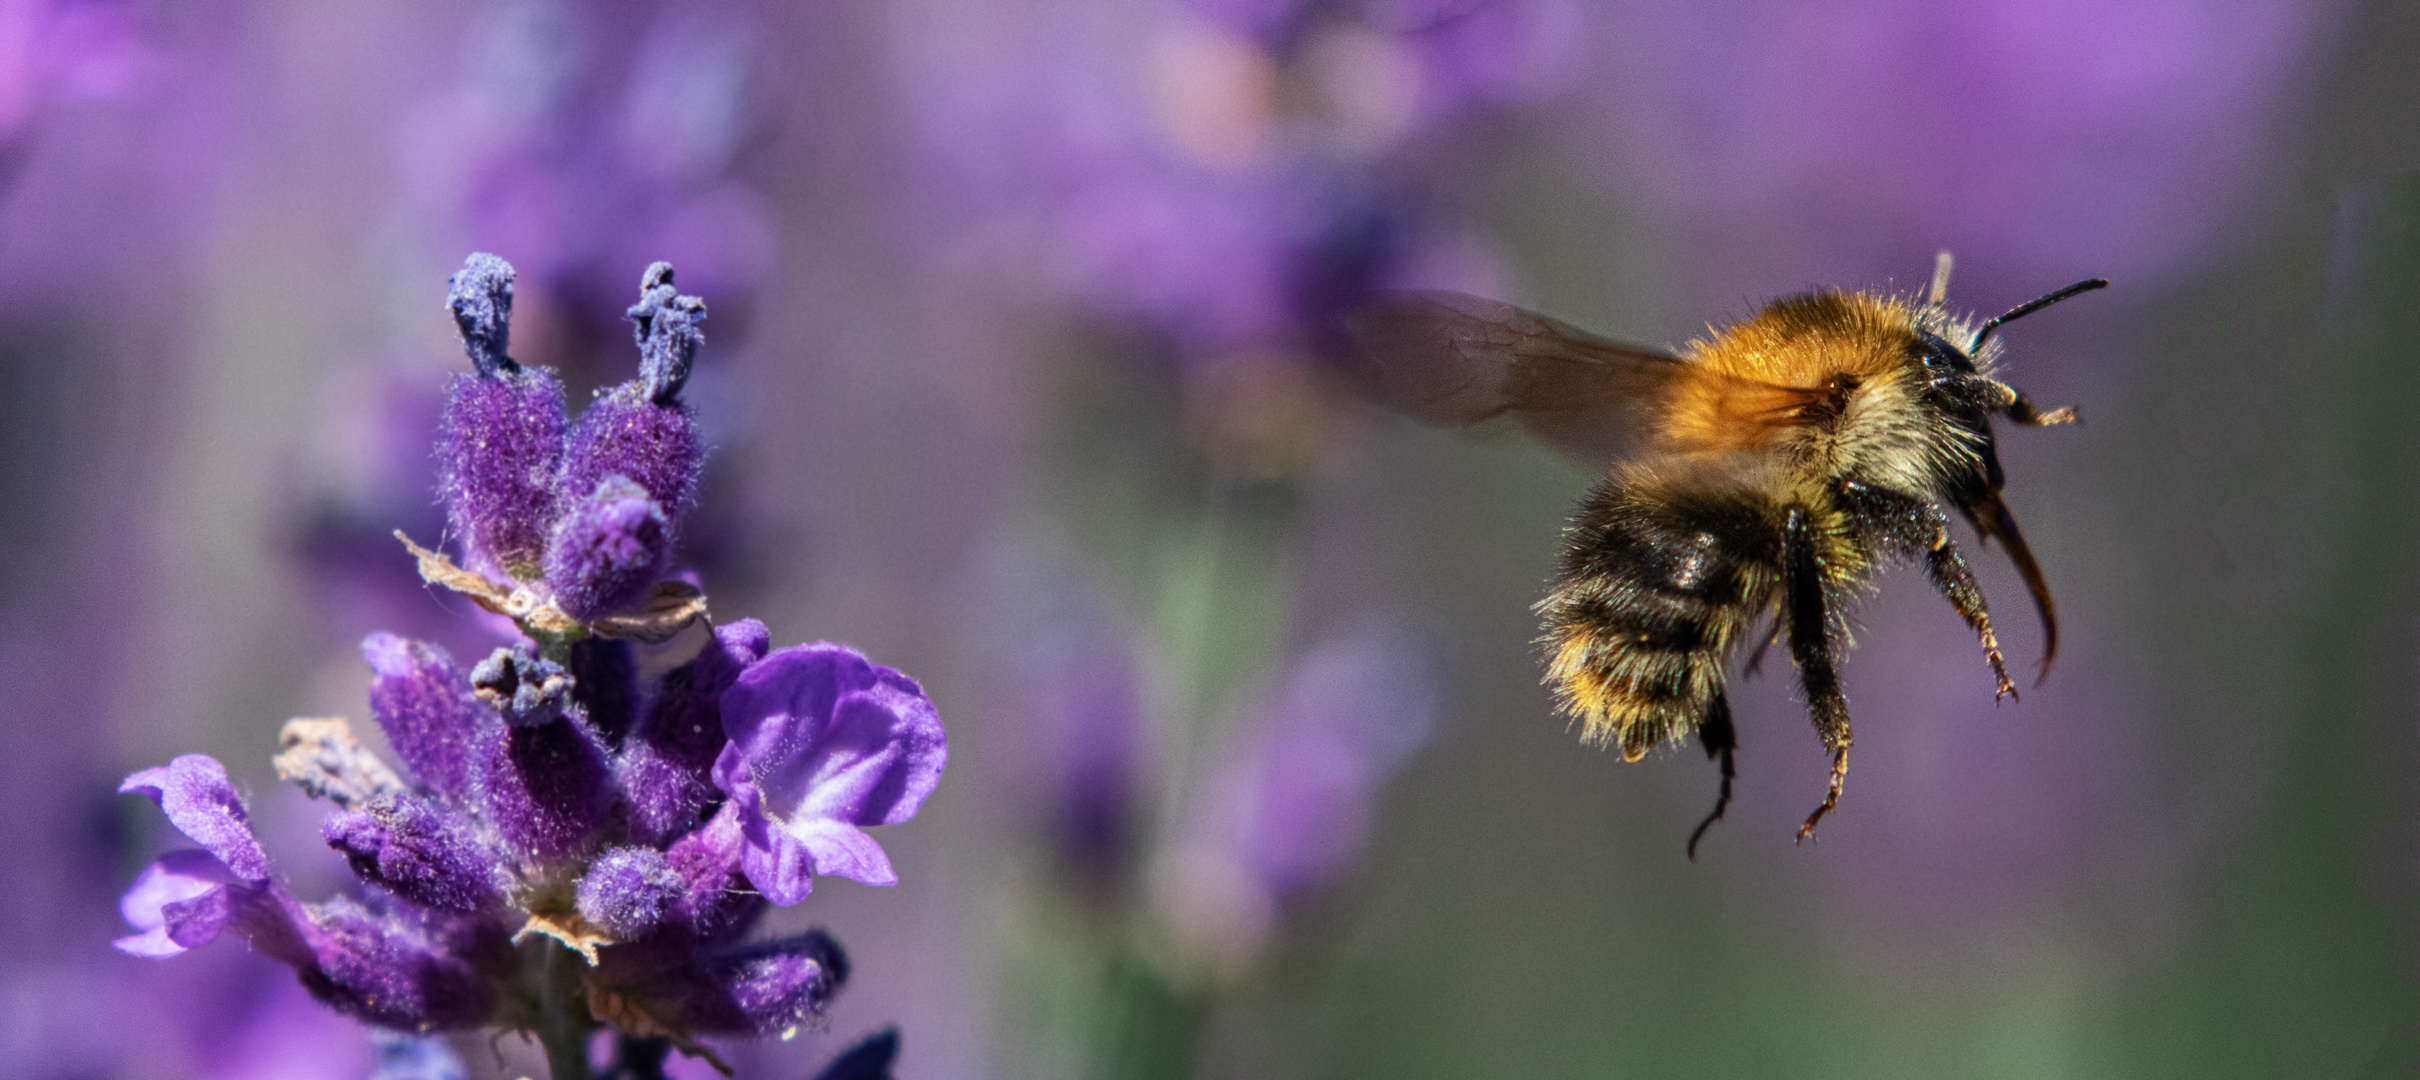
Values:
[(1773, 467)]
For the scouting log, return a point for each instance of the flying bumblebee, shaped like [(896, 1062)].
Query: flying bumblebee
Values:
[(1773, 467)]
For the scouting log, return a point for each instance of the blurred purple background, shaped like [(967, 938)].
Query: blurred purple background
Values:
[(1010, 377)]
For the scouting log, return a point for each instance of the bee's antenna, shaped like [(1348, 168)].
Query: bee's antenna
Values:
[(1940, 293), (2028, 308)]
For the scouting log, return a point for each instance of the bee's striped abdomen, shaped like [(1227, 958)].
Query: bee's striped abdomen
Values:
[(1656, 587)]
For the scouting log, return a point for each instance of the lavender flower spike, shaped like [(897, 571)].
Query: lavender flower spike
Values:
[(501, 441), (822, 742)]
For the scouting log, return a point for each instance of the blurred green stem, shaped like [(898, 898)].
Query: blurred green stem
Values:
[(1153, 1029)]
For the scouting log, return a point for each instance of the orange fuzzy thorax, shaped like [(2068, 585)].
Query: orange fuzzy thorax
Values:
[(1752, 380)]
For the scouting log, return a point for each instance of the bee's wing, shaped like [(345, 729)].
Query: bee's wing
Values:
[(1451, 359)]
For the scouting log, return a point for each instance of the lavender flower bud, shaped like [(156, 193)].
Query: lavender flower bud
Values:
[(605, 685), (542, 775), (417, 852), (870, 1059), (666, 763), (714, 901), (381, 970), (607, 550), (760, 989), (427, 709), (501, 440), (625, 891), (641, 430)]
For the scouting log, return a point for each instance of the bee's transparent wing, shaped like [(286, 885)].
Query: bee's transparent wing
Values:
[(1451, 359)]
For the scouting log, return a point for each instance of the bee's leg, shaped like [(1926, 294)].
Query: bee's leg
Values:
[(1957, 585), (1720, 739), (1813, 643), (2022, 411), (1992, 519)]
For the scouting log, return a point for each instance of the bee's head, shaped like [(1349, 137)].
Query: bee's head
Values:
[(1956, 380), (1953, 382)]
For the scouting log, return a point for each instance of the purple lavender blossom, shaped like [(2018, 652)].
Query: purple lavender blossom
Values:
[(1349, 715), (175, 904), (199, 800), (667, 764), (1256, 183), (1291, 806), (501, 441), (608, 549), (640, 431), (626, 890), (428, 711), (561, 857), (418, 852), (579, 146), (824, 741), (542, 775), (761, 989)]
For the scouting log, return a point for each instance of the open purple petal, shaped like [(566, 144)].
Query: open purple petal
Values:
[(821, 742), (845, 850), (186, 899), (194, 792), (177, 880), (823, 731)]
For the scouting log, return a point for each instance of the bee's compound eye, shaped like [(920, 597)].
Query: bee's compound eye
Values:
[(1940, 356)]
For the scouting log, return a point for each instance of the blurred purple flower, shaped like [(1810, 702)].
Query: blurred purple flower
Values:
[(65, 49), (573, 149), (1297, 808), (1231, 174), (1291, 807), (1070, 680), (2041, 140), (823, 742)]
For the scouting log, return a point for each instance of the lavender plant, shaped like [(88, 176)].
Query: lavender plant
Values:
[(568, 845)]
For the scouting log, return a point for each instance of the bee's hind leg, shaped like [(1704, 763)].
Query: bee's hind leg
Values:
[(1814, 638), (1720, 740)]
